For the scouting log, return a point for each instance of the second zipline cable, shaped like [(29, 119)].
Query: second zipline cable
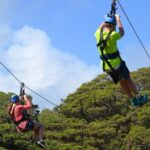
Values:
[(138, 37)]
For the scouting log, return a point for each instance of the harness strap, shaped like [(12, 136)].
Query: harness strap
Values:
[(18, 122), (102, 43), (21, 120), (110, 56), (105, 57)]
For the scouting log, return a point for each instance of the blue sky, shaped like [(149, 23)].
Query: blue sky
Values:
[(71, 24), (50, 44)]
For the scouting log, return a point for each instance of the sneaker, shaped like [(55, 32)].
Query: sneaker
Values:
[(134, 101), (142, 99), (41, 144)]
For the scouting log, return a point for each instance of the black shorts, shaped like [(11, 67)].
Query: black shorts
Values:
[(120, 74), (29, 126)]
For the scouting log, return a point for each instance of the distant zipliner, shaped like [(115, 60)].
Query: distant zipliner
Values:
[(21, 118), (112, 63)]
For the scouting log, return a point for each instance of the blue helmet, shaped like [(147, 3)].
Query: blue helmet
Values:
[(110, 20), (14, 98)]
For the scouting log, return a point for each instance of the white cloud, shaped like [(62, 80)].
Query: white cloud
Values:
[(45, 69)]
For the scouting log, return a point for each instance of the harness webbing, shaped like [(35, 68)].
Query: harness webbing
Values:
[(110, 56), (102, 43), (25, 116)]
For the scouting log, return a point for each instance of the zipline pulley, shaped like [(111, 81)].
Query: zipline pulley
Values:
[(113, 8), (112, 12), (22, 89)]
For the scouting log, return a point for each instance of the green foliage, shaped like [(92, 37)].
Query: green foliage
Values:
[(98, 116)]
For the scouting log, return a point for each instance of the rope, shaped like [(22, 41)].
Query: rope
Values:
[(26, 86), (138, 37), (10, 72), (40, 96)]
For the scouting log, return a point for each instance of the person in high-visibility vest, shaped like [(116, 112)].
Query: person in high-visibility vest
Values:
[(112, 63)]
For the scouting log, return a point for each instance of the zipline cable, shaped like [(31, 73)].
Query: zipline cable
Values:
[(134, 29), (40, 96), (26, 86), (10, 72)]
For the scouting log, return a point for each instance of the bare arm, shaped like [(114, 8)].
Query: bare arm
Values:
[(120, 26), (102, 26), (28, 104)]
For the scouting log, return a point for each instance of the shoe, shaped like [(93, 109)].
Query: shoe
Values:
[(142, 99), (41, 144), (134, 101)]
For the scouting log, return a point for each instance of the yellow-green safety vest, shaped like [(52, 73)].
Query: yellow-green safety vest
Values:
[(110, 48)]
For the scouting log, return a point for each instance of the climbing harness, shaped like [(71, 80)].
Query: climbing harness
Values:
[(25, 116), (102, 43), (105, 57)]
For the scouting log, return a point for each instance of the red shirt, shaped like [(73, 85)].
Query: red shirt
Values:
[(17, 113)]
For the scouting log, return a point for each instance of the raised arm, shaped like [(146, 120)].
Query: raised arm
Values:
[(120, 26), (28, 104), (102, 25)]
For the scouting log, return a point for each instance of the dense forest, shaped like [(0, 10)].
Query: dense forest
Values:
[(98, 116)]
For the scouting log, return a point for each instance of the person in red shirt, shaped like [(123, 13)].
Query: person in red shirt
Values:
[(18, 113)]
